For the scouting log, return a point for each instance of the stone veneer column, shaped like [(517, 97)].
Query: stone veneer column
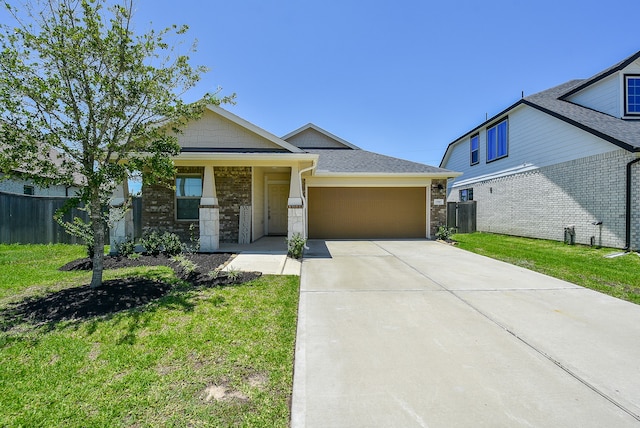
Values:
[(122, 227), (209, 213), (295, 221)]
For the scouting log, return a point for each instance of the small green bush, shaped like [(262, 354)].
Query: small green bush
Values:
[(171, 244), (444, 233), (152, 242), (126, 248), (295, 246), (167, 243)]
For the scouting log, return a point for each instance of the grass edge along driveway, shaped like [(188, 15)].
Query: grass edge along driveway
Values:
[(579, 264), (196, 357)]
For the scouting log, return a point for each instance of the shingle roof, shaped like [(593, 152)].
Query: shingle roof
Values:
[(623, 133), (365, 162)]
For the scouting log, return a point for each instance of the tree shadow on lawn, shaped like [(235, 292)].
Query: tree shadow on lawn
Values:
[(116, 295)]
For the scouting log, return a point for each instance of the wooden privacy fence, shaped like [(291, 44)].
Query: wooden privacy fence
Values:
[(29, 219), (462, 216)]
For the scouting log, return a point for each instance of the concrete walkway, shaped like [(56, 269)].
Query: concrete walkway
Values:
[(267, 255), (422, 334)]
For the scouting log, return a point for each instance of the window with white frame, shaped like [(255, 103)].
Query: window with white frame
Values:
[(475, 149), (498, 141), (188, 194), (632, 95)]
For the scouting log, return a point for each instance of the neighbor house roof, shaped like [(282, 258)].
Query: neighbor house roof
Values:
[(623, 133)]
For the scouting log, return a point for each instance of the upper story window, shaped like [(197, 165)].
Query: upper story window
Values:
[(188, 194), (475, 149), (498, 141), (28, 190), (632, 95)]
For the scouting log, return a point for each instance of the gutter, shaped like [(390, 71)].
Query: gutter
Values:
[(627, 231)]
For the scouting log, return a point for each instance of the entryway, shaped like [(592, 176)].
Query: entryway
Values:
[(277, 213)]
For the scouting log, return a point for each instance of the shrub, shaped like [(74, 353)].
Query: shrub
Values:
[(444, 233), (155, 243), (152, 242), (233, 274), (126, 248), (295, 246), (194, 240), (171, 244)]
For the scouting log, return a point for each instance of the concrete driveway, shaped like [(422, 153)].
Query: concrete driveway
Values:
[(422, 334)]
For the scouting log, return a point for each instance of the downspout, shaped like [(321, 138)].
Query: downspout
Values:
[(627, 246), (304, 199)]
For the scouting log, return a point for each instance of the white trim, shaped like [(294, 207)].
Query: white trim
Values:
[(511, 171), (428, 210), (322, 131), (242, 159)]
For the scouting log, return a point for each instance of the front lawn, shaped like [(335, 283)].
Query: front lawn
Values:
[(199, 356), (579, 264)]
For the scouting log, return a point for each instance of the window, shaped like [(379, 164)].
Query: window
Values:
[(632, 95), (28, 190), (466, 195), (497, 141), (475, 149), (188, 194)]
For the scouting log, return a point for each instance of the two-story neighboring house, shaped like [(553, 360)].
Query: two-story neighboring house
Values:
[(565, 157)]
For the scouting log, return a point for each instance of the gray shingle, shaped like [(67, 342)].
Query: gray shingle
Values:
[(362, 161), (624, 133)]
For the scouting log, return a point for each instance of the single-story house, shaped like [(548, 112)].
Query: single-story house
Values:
[(237, 182), (28, 187), (559, 164)]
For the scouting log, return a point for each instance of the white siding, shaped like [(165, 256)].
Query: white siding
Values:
[(17, 186), (212, 130), (603, 96), (535, 139)]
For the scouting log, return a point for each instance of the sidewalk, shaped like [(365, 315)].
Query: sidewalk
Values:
[(267, 255)]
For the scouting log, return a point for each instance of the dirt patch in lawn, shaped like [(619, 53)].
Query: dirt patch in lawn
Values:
[(201, 270)]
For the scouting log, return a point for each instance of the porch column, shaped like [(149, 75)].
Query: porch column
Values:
[(121, 227), (209, 213), (295, 223)]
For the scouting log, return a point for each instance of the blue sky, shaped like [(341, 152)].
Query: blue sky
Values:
[(401, 77)]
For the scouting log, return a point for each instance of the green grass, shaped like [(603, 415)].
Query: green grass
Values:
[(197, 357), (579, 264)]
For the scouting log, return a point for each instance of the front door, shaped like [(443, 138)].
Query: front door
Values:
[(277, 213)]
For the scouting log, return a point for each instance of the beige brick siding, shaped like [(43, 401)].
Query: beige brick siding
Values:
[(540, 203)]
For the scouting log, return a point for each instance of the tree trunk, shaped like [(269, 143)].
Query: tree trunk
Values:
[(98, 242)]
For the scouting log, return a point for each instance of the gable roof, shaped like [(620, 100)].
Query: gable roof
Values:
[(326, 140), (279, 143), (603, 74), (622, 133)]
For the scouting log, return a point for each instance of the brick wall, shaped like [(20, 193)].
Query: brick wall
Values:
[(540, 203), (233, 187), (158, 208), (438, 212)]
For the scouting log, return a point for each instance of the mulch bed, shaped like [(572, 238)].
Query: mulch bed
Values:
[(117, 295)]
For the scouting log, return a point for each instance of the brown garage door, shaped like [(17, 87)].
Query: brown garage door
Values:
[(367, 212)]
